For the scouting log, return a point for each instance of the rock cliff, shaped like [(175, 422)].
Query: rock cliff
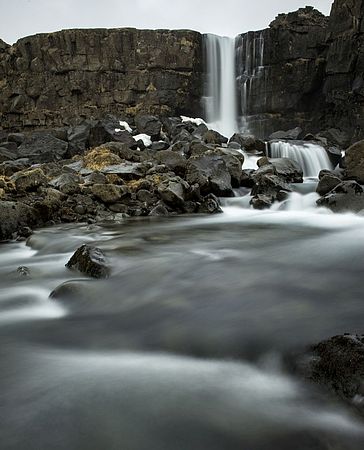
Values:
[(312, 72), (51, 79)]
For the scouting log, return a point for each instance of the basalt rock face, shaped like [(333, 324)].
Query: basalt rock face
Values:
[(306, 70), (55, 79)]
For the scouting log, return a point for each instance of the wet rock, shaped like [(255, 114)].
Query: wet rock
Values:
[(29, 180), (261, 201), (41, 147), (13, 216), (78, 139), (293, 134), (105, 131), (209, 171), (6, 154), (95, 178), (247, 179), (90, 261), (335, 137), (234, 167), (67, 183), (159, 145), (173, 160), (327, 183), (18, 138), (248, 142), (209, 205), (146, 197), (149, 125), (109, 193), (173, 190), (268, 183), (73, 290), (346, 196), (123, 151), (354, 160), (213, 137), (8, 168), (126, 171), (337, 364), (23, 271), (334, 154), (159, 210), (287, 169)]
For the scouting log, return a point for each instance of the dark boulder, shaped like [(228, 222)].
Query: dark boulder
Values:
[(293, 135), (213, 137), (327, 183), (175, 161), (248, 142), (287, 169), (106, 131), (261, 201), (41, 147), (6, 154), (345, 197), (14, 216), (173, 191), (18, 138), (210, 172), (78, 139), (334, 154), (337, 364), (149, 125), (90, 261), (67, 183), (29, 180), (209, 205)]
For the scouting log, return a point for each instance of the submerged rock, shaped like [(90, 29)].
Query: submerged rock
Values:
[(90, 261), (337, 364)]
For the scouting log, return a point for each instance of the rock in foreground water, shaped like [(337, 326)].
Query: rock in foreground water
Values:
[(90, 261)]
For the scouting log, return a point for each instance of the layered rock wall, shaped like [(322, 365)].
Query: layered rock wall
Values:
[(312, 72), (53, 79)]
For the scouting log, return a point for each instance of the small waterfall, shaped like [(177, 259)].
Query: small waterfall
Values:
[(311, 157), (250, 68), (220, 96)]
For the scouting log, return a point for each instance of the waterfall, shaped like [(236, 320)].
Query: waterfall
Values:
[(220, 97), (250, 69), (311, 157)]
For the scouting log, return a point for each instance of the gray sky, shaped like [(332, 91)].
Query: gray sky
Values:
[(21, 18)]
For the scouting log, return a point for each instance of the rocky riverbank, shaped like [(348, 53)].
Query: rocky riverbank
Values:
[(108, 170)]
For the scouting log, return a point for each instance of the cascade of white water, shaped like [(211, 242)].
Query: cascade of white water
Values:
[(311, 157), (220, 98), (250, 68)]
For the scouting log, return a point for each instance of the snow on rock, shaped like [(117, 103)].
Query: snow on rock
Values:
[(195, 121), (145, 138)]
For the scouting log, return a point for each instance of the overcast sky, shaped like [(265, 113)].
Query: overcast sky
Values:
[(21, 18)]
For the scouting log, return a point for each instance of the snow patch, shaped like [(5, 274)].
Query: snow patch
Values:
[(126, 126), (197, 121), (145, 138)]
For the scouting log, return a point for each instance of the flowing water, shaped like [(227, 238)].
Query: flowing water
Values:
[(220, 98), (311, 157), (181, 347)]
